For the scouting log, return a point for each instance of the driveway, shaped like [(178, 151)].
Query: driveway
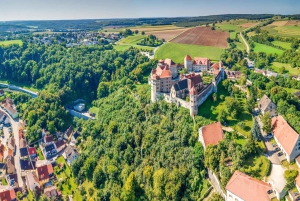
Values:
[(271, 153), (276, 178), (15, 125)]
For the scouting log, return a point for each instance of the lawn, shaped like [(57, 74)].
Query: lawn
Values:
[(267, 49), (285, 45), (11, 42), (177, 52), (86, 185), (4, 181), (292, 71), (284, 31), (240, 140), (290, 90), (133, 40), (240, 45), (40, 154), (257, 166), (204, 110)]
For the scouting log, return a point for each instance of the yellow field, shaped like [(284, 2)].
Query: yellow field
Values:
[(11, 42)]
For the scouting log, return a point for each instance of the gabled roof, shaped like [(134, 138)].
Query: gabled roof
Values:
[(22, 143), (24, 152), (70, 152), (2, 166), (50, 147), (201, 61), (44, 172), (248, 188), (212, 134), (169, 62), (76, 135), (51, 192), (27, 165), (60, 143), (9, 105), (11, 143), (181, 85), (48, 138), (284, 133), (32, 150), (264, 102), (188, 58), (7, 194), (69, 131)]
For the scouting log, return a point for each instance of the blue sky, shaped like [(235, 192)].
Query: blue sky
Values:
[(97, 9)]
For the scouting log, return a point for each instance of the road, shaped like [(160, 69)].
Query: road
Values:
[(15, 125), (247, 46), (17, 88)]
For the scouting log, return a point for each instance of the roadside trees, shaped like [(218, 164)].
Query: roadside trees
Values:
[(266, 120)]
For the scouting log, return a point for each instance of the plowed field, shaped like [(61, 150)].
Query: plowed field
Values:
[(203, 36)]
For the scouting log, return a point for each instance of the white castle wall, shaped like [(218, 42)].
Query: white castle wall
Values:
[(175, 100)]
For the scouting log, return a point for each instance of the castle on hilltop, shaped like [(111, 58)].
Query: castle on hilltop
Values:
[(186, 90)]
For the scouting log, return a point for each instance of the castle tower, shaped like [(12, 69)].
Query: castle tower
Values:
[(193, 102), (155, 84), (221, 69), (214, 82), (188, 63)]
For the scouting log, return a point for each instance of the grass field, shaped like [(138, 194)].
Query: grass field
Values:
[(292, 71), (240, 45), (291, 90), (285, 45), (177, 52), (267, 49), (146, 28), (283, 28), (205, 111), (131, 41), (257, 166), (11, 42)]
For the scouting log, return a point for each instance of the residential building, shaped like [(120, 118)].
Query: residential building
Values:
[(182, 88), (44, 173), (48, 138), (70, 154), (211, 134), (60, 145), (10, 107), (11, 143), (49, 150), (24, 152), (297, 182), (32, 181), (233, 75), (287, 138), (2, 169), (22, 143), (7, 193), (32, 152), (196, 65), (68, 133), (79, 107), (10, 165), (265, 104), (27, 165), (12, 180), (52, 192), (74, 138), (242, 187)]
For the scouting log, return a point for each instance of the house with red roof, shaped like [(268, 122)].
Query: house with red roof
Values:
[(32, 151), (44, 173), (196, 65), (287, 138), (242, 187), (211, 134), (7, 194)]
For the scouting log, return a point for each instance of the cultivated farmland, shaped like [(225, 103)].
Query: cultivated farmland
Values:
[(166, 34), (203, 36), (284, 28), (11, 42)]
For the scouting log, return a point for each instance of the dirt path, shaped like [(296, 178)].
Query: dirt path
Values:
[(247, 46)]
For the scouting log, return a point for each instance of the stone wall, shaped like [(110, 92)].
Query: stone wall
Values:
[(205, 93), (177, 101)]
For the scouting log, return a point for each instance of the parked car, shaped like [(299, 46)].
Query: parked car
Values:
[(270, 191), (9, 129), (1, 126), (269, 135), (280, 154), (274, 145), (277, 149)]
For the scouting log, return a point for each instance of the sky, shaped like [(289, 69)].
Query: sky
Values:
[(102, 9)]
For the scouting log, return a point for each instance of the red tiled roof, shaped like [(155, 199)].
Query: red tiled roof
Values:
[(32, 150), (193, 91), (212, 133), (165, 74), (203, 61), (215, 66), (169, 62), (248, 188), (48, 138), (188, 58), (7, 195), (284, 133), (44, 171), (161, 72)]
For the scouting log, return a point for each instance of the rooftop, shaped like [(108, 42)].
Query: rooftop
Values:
[(212, 134)]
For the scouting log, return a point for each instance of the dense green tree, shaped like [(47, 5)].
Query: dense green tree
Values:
[(255, 131), (266, 120)]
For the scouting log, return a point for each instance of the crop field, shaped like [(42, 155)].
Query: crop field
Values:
[(284, 28), (146, 29), (267, 49), (166, 34), (11, 42), (177, 52), (285, 45), (292, 71), (203, 36)]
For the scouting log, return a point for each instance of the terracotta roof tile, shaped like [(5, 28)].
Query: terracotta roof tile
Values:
[(248, 188), (212, 133), (284, 133), (44, 172), (188, 58), (202, 61)]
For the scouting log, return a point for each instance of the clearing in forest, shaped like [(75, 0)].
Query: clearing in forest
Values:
[(203, 36)]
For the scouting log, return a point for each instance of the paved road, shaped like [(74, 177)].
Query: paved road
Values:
[(17, 88), (272, 154), (15, 124), (247, 46)]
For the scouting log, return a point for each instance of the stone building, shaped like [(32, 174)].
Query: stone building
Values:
[(196, 65)]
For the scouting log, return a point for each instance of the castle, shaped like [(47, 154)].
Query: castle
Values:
[(187, 90)]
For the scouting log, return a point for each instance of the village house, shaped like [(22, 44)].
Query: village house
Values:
[(7, 193), (266, 73), (70, 154), (2, 169), (32, 181), (48, 138), (287, 138), (74, 138), (10, 107), (211, 134), (24, 152), (242, 187), (11, 144), (68, 133), (182, 88), (27, 166), (48, 150), (265, 104), (52, 192), (196, 65), (233, 75), (32, 152), (12, 180), (44, 173), (10, 165), (60, 145), (22, 143)]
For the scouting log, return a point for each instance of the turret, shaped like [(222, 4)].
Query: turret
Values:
[(193, 102), (155, 84), (215, 89), (188, 63)]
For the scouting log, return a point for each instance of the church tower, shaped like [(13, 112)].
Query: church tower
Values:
[(193, 102), (188, 63)]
